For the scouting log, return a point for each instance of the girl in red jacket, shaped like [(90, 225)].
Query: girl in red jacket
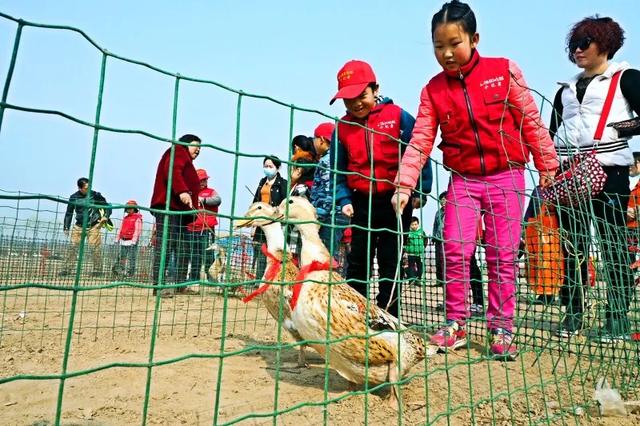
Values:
[(128, 238), (489, 125)]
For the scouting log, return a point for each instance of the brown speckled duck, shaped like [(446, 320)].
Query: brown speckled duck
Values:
[(275, 283), (392, 348)]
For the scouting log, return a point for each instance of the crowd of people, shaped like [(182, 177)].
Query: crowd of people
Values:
[(368, 172), (187, 235)]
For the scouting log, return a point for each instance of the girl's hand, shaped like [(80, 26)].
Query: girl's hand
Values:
[(347, 210), (546, 178), (399, 202)]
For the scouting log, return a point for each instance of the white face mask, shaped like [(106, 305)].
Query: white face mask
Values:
[(269, 172)]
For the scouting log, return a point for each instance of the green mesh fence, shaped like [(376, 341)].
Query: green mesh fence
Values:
[(85, 348)]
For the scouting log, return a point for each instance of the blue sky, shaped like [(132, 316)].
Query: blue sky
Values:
[(288, 50)]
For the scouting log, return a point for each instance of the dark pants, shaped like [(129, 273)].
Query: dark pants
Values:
[(126, 261), (608, 210), (414, 267), (477, 295), (199, 241), (177, 245), (259, 263), (331, 235), (439, 259), (475, 275), (337, 229), (384, 245)]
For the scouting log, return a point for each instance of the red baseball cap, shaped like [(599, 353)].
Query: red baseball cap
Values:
[(324, 130), (202, 174), (353, 78), (131, 204)]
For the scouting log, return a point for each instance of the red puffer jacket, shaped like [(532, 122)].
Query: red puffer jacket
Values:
[(205, 220), (185, 179), (131, 227), (365, 147), (488, 119)]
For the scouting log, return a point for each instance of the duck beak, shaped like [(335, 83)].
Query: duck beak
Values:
[(243, 223), (277, 215)]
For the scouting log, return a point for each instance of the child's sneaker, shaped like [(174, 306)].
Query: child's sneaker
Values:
[(451, 336), (476, 310), (609, 338), (570, 326), (613, 332), (502, 346), (545, 300)]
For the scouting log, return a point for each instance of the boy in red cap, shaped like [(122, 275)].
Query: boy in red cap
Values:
[(201, 232), (127, 239), (370, 140)]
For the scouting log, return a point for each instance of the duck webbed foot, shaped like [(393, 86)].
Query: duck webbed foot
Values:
[(302, 359)]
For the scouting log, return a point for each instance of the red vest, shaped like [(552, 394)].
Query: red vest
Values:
[(128, 228), (205, 221), (365, 147), (480, 135)]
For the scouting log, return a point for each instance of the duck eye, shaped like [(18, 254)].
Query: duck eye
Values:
[(290, 201), (259, 207)]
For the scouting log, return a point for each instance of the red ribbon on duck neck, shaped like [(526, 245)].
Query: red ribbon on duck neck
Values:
[(274, 268), (269, 274), (302, 275)]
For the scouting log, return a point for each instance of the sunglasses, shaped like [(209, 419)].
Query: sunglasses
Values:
[(582, 44)]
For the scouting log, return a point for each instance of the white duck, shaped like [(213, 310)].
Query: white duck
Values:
[(381, 349), (269, 292), (218, 267)]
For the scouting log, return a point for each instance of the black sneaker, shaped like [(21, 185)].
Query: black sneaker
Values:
[(614, 331), (476, 310), (545, 299), (186, 291), (570, 326), (565, 332), (609, 338), (164, 294)]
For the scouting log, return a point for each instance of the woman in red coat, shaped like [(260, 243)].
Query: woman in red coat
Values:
[(181, 195)]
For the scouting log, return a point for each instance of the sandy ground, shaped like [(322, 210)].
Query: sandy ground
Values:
[(247, 376)]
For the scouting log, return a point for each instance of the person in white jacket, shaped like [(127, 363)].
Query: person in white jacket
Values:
[(578, 107)]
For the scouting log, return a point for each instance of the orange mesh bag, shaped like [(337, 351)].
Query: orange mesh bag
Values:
[(545, 261)]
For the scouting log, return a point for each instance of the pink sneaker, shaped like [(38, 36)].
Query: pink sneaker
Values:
[(451, 336), (502, 346)]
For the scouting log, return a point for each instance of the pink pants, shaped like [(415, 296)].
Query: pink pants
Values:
[(498, 198)]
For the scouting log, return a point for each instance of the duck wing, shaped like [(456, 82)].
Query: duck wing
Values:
[(381, 320), (349, 322)]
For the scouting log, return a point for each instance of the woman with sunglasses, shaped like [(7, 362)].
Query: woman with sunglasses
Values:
[(578, 105)]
